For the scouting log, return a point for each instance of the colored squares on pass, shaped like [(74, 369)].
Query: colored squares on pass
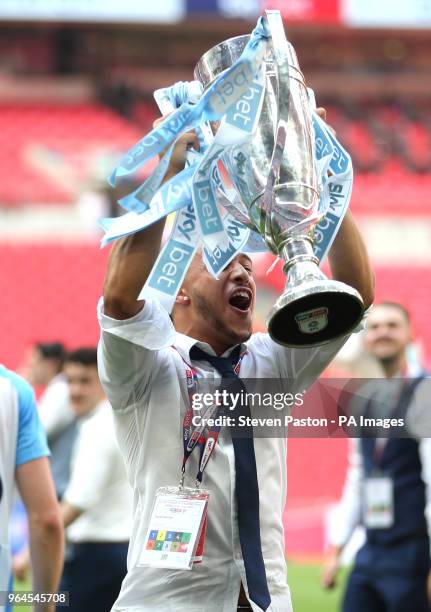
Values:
[(168, 541)]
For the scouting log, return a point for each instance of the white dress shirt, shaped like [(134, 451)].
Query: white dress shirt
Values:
[(98, 482), (145, 381), (348, 513), (54, 406)]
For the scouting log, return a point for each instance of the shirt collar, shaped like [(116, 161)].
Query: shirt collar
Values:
[(184, 343)]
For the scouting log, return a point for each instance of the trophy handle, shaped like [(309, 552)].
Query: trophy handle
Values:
[(288, 74), (313, 310), (281, 59)]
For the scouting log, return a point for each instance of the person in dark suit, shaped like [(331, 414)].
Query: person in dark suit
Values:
[(388, 482)]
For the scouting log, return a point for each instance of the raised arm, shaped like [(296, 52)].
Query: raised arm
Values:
[(129, 265), (132, 258), (349, 260)]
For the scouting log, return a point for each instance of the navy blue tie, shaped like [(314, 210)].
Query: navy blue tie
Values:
[(246, 485)]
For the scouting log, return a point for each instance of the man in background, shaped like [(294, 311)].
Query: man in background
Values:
[(24, 462), (97, 503), (45, 369), (392, 475)]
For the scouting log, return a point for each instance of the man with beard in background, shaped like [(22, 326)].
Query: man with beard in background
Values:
[(392, 569)]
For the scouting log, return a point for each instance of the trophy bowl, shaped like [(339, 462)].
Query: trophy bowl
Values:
[(275, 176)]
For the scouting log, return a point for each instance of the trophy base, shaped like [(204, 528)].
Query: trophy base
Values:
[(314, 313)]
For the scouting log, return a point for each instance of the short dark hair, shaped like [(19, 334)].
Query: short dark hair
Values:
[(85, 356), (51, 350), (54, 351), (398, 306)]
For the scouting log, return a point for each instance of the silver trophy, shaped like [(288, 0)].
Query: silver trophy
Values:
[(275, 178)]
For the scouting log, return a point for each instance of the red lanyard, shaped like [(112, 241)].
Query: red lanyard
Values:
[(202, 437)]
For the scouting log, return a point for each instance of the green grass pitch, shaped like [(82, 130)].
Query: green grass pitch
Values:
[(304, 581)]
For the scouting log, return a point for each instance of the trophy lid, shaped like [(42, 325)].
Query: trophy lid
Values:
[(220, 57)]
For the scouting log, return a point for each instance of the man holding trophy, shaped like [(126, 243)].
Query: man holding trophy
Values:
[(228, 531)]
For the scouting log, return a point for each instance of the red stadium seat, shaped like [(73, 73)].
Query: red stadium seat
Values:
[(47, 151)]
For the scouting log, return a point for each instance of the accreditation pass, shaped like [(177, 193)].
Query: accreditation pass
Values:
[(175, 529)]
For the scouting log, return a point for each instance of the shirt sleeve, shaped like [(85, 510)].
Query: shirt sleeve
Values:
[(31, 442), (92, 464), (348, 512), (299, 366), (304, 365), (128, 349), (54, 408), (418, 417), (418, 421), (425, 455)]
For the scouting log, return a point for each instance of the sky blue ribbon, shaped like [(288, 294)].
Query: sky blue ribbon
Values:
[(211, 107)]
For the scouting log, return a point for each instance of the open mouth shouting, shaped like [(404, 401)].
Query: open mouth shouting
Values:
[(241, 300)]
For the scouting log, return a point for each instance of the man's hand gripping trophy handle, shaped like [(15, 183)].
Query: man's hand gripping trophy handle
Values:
[(132, 258)]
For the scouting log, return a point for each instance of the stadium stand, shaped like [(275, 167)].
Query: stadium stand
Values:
[(48, 152)]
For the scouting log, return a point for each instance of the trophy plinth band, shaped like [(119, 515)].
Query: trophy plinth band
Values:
[(313, 309)]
